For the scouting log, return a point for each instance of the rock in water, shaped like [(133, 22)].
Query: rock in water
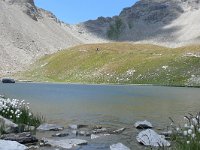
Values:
[(151, 138), (76, 126), (11, 145), (95, 136), (67, 143), (50, 127), (119, 146), (9, 125), (143, 125), (22, 138)]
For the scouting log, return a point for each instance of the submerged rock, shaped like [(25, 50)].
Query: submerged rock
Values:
[(151, 138), (95, 136), (50, 127), (84, 133), (118, 131), (119, 146), (60, 135), (11, 145), (75, 126), (102, 130), (22, 138), (8, 125), (66, 143), (143, 125)]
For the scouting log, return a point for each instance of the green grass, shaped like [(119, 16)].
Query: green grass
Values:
[(118, 63)]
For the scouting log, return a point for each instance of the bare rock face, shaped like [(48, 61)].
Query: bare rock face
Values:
[(154, 21)]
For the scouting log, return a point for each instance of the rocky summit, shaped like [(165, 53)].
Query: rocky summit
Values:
[(172, 23)]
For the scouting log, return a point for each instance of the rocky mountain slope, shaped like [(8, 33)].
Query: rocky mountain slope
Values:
[(168, 22), (28, 32)]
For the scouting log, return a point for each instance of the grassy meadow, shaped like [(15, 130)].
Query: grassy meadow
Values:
[(119, 63)]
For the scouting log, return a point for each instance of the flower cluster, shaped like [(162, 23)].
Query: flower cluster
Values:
[(12, 108), (188, 135), (19, 112)]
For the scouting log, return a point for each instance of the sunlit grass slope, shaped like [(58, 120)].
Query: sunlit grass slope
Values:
[(120, 63)]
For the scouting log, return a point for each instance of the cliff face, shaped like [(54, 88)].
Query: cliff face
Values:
[(158, 21)]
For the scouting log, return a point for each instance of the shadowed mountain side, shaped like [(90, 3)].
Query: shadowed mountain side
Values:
[(157, 21)]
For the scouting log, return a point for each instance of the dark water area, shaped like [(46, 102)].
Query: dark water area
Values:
[(111, 105)]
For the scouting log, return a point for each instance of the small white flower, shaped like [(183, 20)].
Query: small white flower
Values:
[(30, 114), (177, 129), (199, 130), (192, 126), (185, 133), (189, 131), (10, 117), (188, 142), (186, 125), (193, 135), (194, 121)]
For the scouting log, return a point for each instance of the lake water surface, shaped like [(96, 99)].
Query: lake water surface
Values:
[(119, 105)]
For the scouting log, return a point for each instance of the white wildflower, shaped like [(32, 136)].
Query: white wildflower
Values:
[(185, 133), (188, 142), (186, 125), (189, 131), (193, 135)]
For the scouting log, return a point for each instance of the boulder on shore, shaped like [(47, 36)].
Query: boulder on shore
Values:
[(23, 138), (11, 145), (7, 80), (9, 126), (151, 138), (143, 125)]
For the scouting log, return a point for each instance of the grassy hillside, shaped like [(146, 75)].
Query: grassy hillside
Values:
[(120, 63)]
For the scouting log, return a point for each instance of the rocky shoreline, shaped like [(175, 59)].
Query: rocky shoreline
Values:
[(74, 136)]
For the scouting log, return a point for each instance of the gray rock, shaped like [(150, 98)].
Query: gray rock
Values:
[(50, 127), (95, 136), (151, 138), (22, 138), (119, 146), (8, 125), (66, 143), (143, 125), (11, 145), (118, 131), (75, 126), (84, 133), (7, 80), (75, 132), (102, 130), (60, 135)]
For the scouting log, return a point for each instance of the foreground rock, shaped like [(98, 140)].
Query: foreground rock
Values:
[(67, 143), (23, 138), (9, 126), (11, 145), (119, 146), (151, 138), (143, 125), (50, 127)]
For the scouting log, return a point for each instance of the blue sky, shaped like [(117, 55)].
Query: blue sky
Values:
[(75, 11)]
